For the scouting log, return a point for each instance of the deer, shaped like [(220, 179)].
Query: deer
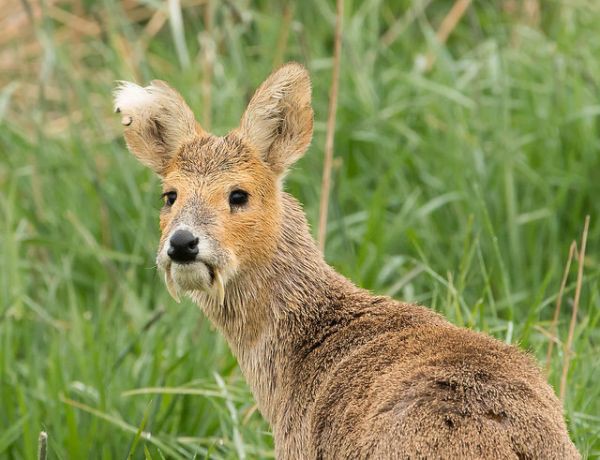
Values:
[(337, 372)]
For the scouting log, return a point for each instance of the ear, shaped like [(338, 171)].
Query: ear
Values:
[(157, 121), (279, 118)]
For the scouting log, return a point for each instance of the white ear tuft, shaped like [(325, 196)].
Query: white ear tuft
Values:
[(157, 121), (129, 96)]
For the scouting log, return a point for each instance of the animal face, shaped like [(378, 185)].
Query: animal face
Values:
[(222, 203), (220, 213)]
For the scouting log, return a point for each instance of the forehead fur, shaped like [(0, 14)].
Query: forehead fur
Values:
[(212, 155)]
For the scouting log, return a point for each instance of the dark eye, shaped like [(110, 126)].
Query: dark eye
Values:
[(238, 198), (170, 198)]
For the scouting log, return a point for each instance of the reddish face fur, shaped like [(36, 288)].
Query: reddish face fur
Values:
[(203, 174)]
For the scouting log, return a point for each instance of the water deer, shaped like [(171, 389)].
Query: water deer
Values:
[(339, 373)]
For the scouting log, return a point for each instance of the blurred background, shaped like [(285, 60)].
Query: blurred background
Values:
[(466, 159)]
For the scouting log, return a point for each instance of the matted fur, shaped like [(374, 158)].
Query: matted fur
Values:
[(338, 372)]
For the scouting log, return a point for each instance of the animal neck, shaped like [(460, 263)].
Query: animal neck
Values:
[(268, 305)]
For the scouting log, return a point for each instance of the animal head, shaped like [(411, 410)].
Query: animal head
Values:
[(222, 195)]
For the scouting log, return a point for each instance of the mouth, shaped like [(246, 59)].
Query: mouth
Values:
[(192, 276)]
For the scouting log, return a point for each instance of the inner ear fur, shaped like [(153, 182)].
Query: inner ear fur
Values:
[(279, 117), (157, 121)]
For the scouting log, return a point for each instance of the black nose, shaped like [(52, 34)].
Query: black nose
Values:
[(183, 246)]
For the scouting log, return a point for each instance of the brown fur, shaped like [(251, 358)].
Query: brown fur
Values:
[(337, 372)]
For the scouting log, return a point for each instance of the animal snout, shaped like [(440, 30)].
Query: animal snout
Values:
[(183, 246)]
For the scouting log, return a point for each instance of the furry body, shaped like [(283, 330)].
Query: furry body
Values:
[(338, 372)]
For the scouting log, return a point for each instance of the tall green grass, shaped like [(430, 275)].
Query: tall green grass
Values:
[(460, 188)]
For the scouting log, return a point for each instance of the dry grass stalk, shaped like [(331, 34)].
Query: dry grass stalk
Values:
[(569, 342), (208, 56), (154, 25), (532, 12), (75, 23), (554, 325), (448, 24), (451, 20), (400, 25), (326, 184)]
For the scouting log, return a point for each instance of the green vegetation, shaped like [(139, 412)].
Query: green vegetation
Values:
[(460, 187)]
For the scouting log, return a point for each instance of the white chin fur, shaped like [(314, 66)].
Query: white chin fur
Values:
[(191, 277)]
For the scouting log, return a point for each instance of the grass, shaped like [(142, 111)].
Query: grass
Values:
[(460, 187)]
